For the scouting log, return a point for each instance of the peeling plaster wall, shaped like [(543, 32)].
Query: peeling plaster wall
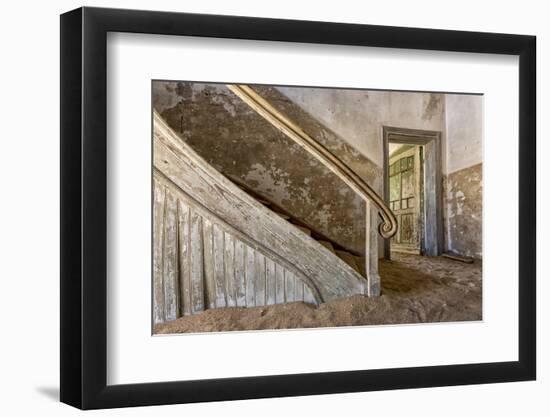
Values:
[(463, 199), (348, 153), (242, 145), (463, 182), (357, 116)]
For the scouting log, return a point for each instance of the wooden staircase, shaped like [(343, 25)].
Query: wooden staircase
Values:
[(219, 244), (215, 246), (354, 260)]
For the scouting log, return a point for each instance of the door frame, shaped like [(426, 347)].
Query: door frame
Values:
[(432, 230)]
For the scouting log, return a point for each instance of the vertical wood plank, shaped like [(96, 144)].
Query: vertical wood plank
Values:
[(219, 274), (208, 268), (158, 239), (229, 267), (184, 254), (279, 284), (308, 296), (259, 281), (270, 281), (240, 276), (170, 267), (289, 286), (197, 283), (298, 289), (250, 274)]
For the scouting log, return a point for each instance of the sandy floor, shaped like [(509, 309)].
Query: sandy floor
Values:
[(415, 289)]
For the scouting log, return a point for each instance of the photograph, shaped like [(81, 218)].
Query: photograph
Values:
[(291, 207)]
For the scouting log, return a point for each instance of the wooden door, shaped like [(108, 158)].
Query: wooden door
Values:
[(404, 173)]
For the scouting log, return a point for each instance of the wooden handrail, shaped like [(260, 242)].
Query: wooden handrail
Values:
[(388, 227)]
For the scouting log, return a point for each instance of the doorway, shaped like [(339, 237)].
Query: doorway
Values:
[(412, 190), (406, 196)]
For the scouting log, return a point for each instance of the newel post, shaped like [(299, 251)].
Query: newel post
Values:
[(371, 249)]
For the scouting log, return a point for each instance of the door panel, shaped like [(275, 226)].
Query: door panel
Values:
[(405, 191)]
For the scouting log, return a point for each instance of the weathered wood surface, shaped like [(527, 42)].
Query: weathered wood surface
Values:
[(269, 235), (370, 264), (201, 262)]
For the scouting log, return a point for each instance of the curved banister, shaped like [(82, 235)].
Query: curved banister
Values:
[(388, 227)]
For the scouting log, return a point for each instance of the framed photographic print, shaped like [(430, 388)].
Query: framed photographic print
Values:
[(257, 208)]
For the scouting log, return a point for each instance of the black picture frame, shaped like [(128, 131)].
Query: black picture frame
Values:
[(84, 207)]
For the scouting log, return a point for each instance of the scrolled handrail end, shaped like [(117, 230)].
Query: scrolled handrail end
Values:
[(387, 229)]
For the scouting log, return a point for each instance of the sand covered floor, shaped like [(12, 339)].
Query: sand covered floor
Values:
[(415, 289)]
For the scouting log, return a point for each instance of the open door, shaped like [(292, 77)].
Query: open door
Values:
[(406, 196), (412, 189)]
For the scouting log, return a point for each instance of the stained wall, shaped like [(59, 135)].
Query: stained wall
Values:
[(463, 180)]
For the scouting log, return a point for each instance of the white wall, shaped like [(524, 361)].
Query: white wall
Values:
[(464, 135), (29, 214)]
